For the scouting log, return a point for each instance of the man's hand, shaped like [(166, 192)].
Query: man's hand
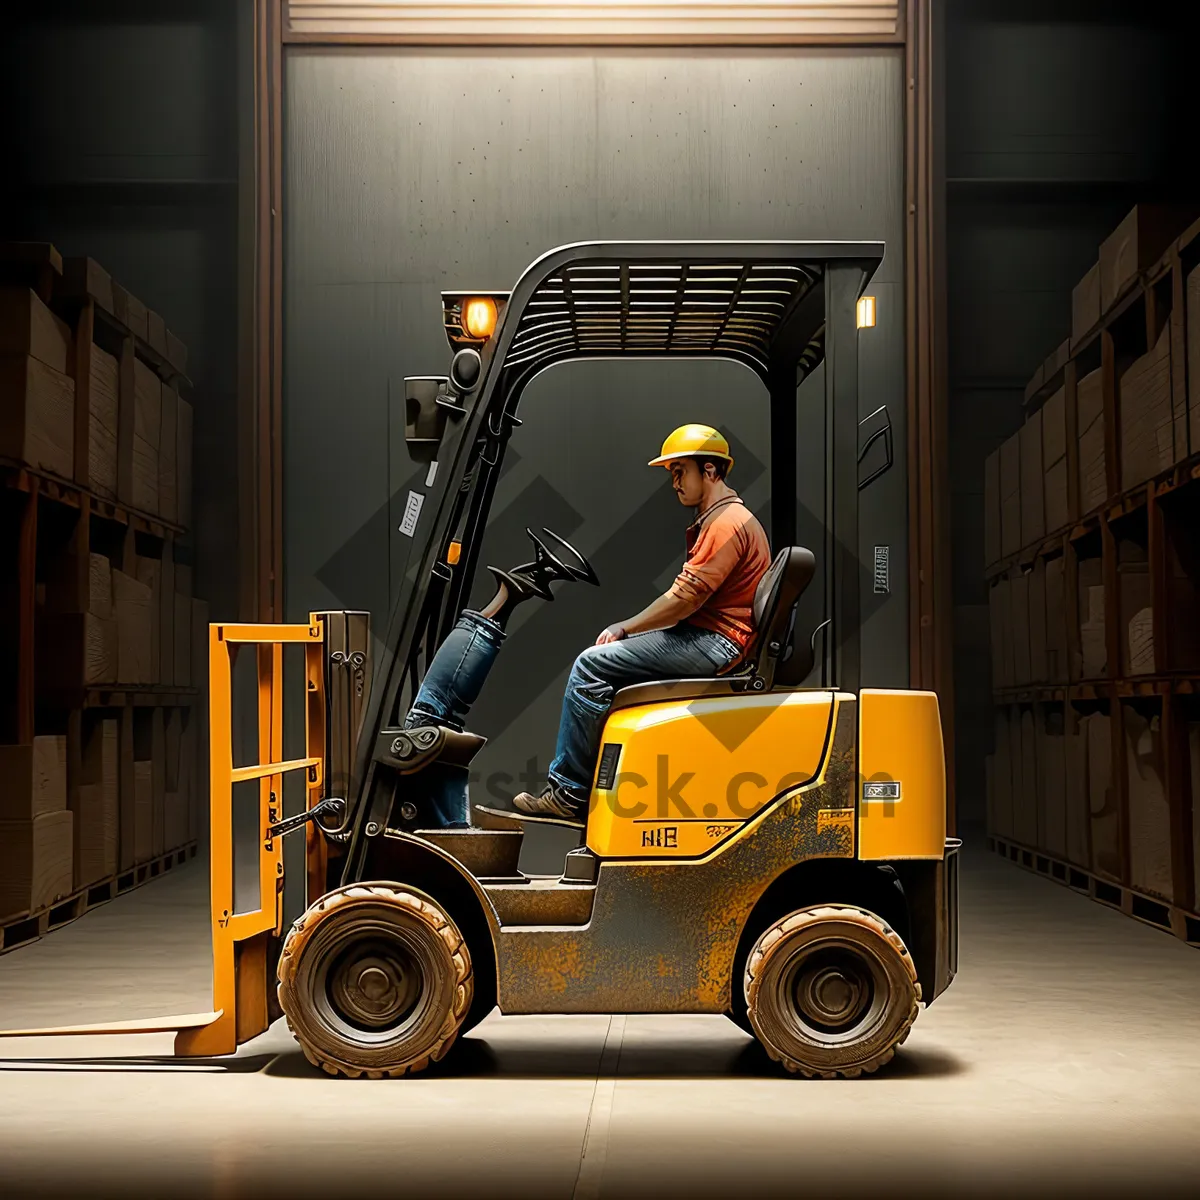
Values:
[(614, 633)]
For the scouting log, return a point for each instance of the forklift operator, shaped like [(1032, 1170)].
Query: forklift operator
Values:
[(701, 626)]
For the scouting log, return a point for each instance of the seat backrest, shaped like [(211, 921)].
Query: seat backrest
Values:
[(774, 603)]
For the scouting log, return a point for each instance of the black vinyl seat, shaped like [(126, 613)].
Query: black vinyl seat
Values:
[(772, 659)]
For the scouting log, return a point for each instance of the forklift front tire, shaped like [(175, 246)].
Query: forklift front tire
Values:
[(831, 991), (375, 980)]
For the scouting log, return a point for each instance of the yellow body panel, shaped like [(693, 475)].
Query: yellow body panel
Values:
[(691, 773), (902, 771)]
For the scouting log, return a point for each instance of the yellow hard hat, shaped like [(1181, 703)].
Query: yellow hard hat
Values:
[(693, 441)]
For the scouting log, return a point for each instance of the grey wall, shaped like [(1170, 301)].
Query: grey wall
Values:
[(1059, 117), (407, 172)]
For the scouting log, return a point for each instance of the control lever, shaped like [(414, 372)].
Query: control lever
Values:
[(331, 806)]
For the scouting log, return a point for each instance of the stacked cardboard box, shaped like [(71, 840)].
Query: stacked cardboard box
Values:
[(1077, 817), (1052, 779), (132, 608), (1010, 496), (1054, 461), (37, 392), (1018, 610), (103, 417), (1136, 244), (1149, 813), (95, 801), (76, 632), (1033, 475), (1058, 669), (1103, 802), (991, 509), (1136, 614), (1085, 304), (1093, 470), (36, 828), (147, 429), (1039, 670), (1093, 647), (1146, 417)]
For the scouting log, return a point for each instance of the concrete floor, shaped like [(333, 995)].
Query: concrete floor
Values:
[(1064, 1059)]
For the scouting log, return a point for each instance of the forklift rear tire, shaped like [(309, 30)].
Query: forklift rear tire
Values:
[(375, 980), (831, 991)]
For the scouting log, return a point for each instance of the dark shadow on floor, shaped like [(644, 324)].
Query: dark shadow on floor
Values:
[(476, 1058), (247, 1065)]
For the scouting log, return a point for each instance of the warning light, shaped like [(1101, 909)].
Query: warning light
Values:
[(479, 317), (866, 312)]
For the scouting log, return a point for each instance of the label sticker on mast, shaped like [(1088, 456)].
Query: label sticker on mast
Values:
[(412, 513)]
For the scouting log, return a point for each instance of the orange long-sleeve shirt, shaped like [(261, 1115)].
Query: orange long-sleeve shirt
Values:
[(727, 555)]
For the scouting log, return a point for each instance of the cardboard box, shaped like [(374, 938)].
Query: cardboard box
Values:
[(991, 509), (156, 332), (1052, 780), (1078, 814), (147, 429), (80, 584), (183, 463), (133, 610), (1085, 304), (168, 481), (143, 811), (86, 279), (33, 779), (37, 415), (74, 651), (1147, 425), (1149, 813), (1033, 475), (1133, 581), (1057, 663), (1035, 384), (1002, 775), (130, 311), (1093, 477), (1136, 245), (1038, 651), (1010, 496), (1019, 623), (1103, 803), (166, 616), (1054, 461), (35, 862), (149, 573), (27, 326), (126, 792), (1056, 361), (102, 423), (96, 804), (1028, 802)]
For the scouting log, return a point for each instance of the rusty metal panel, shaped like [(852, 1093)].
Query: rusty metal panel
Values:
[(663, 938)]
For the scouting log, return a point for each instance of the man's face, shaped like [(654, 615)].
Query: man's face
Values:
[(687, 479)]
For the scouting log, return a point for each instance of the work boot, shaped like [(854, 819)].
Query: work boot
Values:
[(552, 807)]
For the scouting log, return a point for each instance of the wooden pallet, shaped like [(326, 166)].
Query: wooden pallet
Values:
[(1150, 910), (25, 928)]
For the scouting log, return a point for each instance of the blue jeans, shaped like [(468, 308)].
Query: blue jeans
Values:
[(451, 685), (681, 652)]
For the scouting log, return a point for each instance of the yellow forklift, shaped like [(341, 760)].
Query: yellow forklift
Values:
[(802, 884)]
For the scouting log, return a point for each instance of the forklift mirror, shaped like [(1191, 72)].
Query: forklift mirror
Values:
[(424, 417)]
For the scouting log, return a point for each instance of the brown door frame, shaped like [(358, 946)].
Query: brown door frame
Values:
[(931, 619)]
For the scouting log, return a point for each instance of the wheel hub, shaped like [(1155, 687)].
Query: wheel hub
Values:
[(832, 990), (375, 986)]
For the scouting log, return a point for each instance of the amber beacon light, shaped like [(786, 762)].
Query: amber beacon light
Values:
[(866, 312), (479, 317)]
